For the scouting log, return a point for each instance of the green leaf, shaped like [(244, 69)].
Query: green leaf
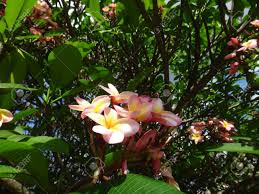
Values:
[(8, 170), (32, 159), (99, 73), (234, 147), (26, 10), (2, 26), (134, 183), (13, 67), (111, 157), (34, 67), (17, 138), (83, 47), (12, 12), (65, 63), (15, 86), (16, 11), (18, 174), (7, 133), (131, 13), (49, 143), (24, 113), (94, 5)]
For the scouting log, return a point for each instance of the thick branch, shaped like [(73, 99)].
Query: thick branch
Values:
[(14, 186)]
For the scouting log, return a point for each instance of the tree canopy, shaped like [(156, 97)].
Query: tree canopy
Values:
[(137, 96)]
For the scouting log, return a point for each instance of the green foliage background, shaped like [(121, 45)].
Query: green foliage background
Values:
[(177, 53)]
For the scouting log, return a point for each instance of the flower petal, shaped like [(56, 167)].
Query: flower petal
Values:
[(148, 138), (76, 107), (111, 116), (101, 130), (6, 115), (171, 117), (98, 118), (113, 90), (167, 118), (145, 112), (121, 111), (114, 137), (82, 101), (87, 110), (128, 126), (100, 103), (106, 89), (124, 97), (157, 105), (1, 121), (134, 103)]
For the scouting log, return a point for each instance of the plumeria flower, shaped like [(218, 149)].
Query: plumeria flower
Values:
[(196, 137), (113, 5), (164, 117), (97, 105), (117, 97), (196, 131), (138, 109), (226, 125), (251, 44), (255, 23), (113, 128), (106, 9), (5, 116)]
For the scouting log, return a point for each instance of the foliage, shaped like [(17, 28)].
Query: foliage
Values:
[(52, 51)]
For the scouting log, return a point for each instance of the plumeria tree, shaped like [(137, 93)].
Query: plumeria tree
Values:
[(140, 96)]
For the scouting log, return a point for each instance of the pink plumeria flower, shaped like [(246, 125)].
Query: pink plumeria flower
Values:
[(113, 128), (251, 44), (117, 97), (106, 9), (196, 137), (226, 125), (138, 109), (97, 105), (5, 116), (194, 129), (164, 117), (255, 23)]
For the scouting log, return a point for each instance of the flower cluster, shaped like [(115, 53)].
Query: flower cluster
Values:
[(120, 115), (240, 49), (124, 118), (216, 129), (110, 11), (5, 116), (196, 131), (41, 11)]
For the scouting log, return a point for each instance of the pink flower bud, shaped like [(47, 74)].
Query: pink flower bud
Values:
[(124, 167), (230, 56), (233, 42), (156, 165), (233, 68)]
